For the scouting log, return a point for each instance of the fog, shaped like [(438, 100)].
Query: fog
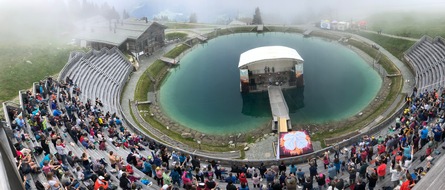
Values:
[(278, 11), (27, 20)]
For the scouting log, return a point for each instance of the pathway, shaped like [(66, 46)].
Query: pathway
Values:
[(144, 63), (392, 36), (408, 77)]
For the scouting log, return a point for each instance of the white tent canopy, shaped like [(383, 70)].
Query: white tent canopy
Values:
[(269, 55)]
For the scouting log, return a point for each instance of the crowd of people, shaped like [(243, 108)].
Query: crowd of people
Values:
[(55, 122)]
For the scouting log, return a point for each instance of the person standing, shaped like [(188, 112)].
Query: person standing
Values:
[(332, 172), (395, 171), (381, 171), (124, 182), (291, 182), (61, 150), (292, 169), (372, 180)]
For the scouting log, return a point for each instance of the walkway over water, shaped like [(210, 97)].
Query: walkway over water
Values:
[(169, 60), (307, 32), (202, 38), (280, 111), (259, 28)]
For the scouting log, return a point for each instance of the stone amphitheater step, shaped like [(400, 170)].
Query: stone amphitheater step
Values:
[(438, 50), (422, 59), (442, 73), (427, 57), (434, 76), (74, 75), (85, 82), (427, 53), (118, 71), (106, 93), (73, 68), (92, 78), (124, 71), (414, 61), (98, 88), (442, 46), (109, 69), (423, 78), (432, 52)]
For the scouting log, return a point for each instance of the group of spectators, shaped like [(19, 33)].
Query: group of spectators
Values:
[(57, 118), (384, 160)]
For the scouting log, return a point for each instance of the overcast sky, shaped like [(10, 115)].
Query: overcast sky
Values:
[(208, 10), (21, 16), (282, 9)]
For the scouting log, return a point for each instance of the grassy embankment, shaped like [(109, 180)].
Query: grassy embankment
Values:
[(396, 83), (412, 24), (157, 70), (394, 45), (23, 65), (176, 35), (185, 25)]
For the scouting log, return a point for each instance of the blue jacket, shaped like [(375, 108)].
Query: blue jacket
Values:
[(147, 167), (424, 133)]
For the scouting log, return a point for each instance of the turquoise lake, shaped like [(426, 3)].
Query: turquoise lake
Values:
[(203, 93)]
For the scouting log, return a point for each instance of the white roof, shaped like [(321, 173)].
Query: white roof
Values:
[(268, 53)]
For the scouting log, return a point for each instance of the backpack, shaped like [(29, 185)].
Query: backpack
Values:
[(422, 158), (26, 169), (38, 150), (39, 185)]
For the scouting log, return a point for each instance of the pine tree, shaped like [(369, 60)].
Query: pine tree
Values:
[(125, 14), (193, 18), (257, 17)]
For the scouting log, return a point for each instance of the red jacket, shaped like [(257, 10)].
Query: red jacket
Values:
[(100, 183), (405, 185), (242, 178), (381, 170), (381, 148)]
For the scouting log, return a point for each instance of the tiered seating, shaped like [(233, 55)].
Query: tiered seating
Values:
[(427, 57), (29, 102), (100, 74)]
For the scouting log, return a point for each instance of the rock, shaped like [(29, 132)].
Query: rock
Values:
[(246, 148), (186, 135), (230, 142)]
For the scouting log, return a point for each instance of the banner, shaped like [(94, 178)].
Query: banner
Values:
[(294, 143), (244, 75), (325, 24)]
